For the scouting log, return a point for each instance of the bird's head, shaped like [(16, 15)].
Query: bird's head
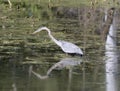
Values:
[(40, 29)]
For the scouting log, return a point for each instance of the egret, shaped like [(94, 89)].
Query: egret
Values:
[(67, 47)]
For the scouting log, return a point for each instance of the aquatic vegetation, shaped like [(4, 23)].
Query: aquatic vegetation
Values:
[(25, 16)]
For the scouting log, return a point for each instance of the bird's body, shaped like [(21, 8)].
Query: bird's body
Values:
[(67, 47), (70, 48)]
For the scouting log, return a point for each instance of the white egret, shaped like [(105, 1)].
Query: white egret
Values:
[(67, 47)]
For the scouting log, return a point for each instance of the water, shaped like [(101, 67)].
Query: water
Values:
[(35, 63), (21, 78), (36, 68)]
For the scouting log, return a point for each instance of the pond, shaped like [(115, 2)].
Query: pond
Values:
[(50, 76), (35, 63), (48, 73)]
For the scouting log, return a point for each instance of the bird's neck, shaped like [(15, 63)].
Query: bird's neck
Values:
[(55, 40)]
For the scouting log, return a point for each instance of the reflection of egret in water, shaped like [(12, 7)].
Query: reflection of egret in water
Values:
[(64, 63), (67, 47), (68, 63)]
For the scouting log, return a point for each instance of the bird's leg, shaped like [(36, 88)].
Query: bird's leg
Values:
[(71, 54)]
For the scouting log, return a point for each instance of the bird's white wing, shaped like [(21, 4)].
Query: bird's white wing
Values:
[(70, 47)]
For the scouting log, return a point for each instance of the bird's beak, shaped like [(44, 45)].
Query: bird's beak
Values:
[(38, 30), (35, 32)]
